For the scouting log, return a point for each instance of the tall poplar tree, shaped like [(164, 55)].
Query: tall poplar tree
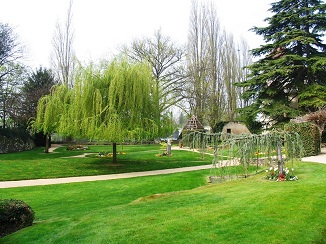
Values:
[(292, 61), (198, 60), (63, 59), (214, 65)]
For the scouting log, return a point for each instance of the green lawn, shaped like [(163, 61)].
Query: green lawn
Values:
[(178, 208), (36, 164)]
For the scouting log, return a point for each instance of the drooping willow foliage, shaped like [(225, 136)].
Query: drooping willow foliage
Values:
[(247, 150), (112, 102)]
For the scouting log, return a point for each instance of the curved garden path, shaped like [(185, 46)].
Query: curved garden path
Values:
[(321, 158)]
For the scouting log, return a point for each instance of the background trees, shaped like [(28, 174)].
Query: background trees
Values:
[(292, 64), (11, 97), (166, 60), (210, 96), (37, 85), (201, 78), (214, 65), (11, 51), (19, 90)]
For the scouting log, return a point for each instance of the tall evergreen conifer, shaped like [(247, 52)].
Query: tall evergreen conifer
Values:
[(292, 61)]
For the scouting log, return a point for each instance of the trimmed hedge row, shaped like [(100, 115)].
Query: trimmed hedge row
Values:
[(14, 215), (309, 134)]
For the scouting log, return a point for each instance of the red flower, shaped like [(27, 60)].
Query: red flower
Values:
[(281, 177)]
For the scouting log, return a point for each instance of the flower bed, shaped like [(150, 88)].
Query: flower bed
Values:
[(273, 173), (77, 147), (108, 155)]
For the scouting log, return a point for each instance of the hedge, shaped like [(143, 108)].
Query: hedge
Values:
[(15, 140), (309, 134)]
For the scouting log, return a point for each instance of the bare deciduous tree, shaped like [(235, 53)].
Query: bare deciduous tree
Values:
[(197, 61), (11, 51), (214, 66), (64, 59), (166, 59), (216, 100), (230, 72), (245, 59)]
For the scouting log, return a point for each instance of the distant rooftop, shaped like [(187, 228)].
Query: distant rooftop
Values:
[(193, 124)]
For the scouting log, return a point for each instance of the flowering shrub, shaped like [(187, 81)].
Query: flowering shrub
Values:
[(274, 174)]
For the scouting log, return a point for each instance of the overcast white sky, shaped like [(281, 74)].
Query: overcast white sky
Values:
[(101, 26)]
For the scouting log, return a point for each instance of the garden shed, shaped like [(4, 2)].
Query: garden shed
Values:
[(235, 128)]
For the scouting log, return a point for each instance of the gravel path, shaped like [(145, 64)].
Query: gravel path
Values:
[(321, 158), (38, 182)]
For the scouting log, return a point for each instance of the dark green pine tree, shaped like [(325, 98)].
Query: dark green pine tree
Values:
[(292, 64), (37, 85)]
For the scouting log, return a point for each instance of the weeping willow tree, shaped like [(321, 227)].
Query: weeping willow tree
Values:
[(49, 110), (112, 102), (246, 150)]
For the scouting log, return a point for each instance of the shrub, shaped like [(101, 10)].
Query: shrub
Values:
[(17, 132), (309, 134), (15, 140), (14, 215), (8, 145)]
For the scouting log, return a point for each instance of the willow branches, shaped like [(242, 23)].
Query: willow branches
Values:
[(112, 102)]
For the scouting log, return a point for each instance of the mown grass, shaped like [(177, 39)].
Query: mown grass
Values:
[(178, 208), (35, 164)]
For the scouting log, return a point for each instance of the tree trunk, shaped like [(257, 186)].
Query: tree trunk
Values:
[(114, 147), (4, 114), (280, 158), (47, 143)]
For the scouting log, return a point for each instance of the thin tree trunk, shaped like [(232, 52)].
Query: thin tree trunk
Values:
[(47, 143), (280, 158), (114, 147), (4, 114)]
